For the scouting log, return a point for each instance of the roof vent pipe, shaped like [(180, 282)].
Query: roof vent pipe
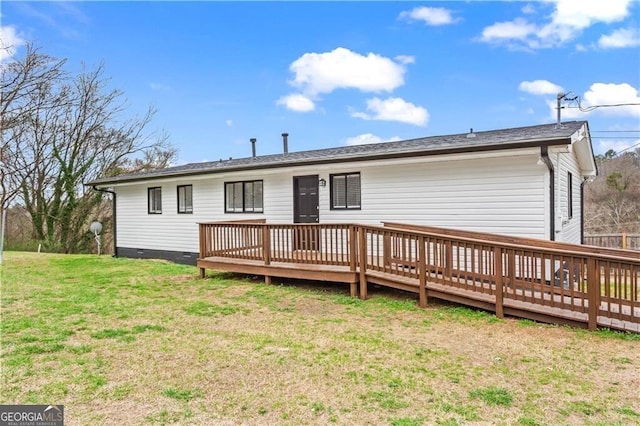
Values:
[(253, 146), (471, 134), (285, 142)]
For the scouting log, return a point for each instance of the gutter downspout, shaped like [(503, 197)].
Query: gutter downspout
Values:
[(113, 214), (544, 154), (584, 181)]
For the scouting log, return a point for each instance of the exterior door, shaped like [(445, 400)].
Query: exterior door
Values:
[(305, 210)]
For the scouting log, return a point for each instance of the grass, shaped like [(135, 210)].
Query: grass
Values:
[(121, 341), (493, 396)]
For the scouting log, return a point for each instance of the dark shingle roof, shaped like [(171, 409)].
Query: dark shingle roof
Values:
[(548, 134)]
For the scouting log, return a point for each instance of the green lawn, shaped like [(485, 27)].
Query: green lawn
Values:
[(121, 341)]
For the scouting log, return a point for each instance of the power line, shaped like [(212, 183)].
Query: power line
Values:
[(629, 147), (578, 100), (592, 107), (615, 131), (615, 137)]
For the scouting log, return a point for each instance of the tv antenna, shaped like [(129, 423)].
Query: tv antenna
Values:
[(562, 96), (96, 228)]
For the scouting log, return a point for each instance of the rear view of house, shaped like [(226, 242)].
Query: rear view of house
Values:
[(524, 182)]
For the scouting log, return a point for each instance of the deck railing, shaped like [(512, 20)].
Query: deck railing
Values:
[(504, 271), (324, 244)]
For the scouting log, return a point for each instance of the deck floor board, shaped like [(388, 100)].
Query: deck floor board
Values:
[(516, 302)]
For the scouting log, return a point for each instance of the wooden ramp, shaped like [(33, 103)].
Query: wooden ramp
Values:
[(539, 280)]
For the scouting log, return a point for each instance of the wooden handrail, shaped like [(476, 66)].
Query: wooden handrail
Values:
[(502, 270), (518, 242), (530, 242)]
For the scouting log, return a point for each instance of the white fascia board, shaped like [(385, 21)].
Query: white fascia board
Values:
[(581, 143)]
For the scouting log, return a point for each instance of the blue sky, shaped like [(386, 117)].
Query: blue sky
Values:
[(336, 73)]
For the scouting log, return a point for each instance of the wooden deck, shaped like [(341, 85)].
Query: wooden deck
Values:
[(539, 280)]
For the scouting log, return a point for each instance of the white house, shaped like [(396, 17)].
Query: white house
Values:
[(523, 181)]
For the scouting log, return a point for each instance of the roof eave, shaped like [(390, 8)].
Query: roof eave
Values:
[(564, 140), (581, 141)]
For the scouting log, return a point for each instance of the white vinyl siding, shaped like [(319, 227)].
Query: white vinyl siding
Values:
[(568, 220), (505, 194), (501, 195)]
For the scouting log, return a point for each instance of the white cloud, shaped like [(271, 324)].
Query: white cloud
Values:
[(518, 29), (581, 47), (405, 59), (613, 94), (62, 17), (604, 94), (568, 19), (368, 138), (9, 42), (433, 16), (394, 109), (540, 87), (617, 145), (584, 13), (229, 123), (620, 38), (297, 102), (528, 9), (317, 73), (159, 86)]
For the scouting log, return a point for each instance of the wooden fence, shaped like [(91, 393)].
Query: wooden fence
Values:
[(621, 241)]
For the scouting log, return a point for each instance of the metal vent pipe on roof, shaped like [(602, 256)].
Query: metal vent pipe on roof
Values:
[(285, 142), (253, 146)]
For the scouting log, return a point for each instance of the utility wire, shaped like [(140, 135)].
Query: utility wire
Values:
[(615, 137), (628, 148), (592, 107), (615, 131), (578, 99)]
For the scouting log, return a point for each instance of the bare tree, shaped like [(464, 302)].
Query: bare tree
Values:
[(25, 86), (612, 200), (68, 132)]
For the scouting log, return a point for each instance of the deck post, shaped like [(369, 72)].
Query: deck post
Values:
[(497, 270), (593, 292), (511, 257), (266, 249), (202, 237), (353, 256), (362, 261), (422, 271), (203, 273), (266, 244), (386, 250)]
